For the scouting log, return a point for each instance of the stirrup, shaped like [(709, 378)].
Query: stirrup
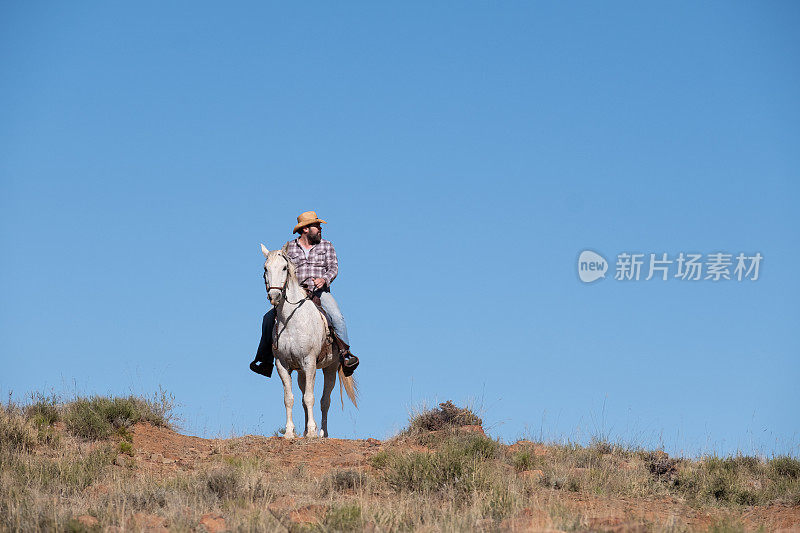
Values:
[(349, 363)]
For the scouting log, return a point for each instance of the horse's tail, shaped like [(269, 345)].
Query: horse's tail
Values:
[(349, 384)]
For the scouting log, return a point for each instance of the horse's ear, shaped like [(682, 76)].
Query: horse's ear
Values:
[(285, 248), (264, 250)]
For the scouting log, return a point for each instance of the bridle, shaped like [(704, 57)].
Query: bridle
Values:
[(282, 288), (277, 332)]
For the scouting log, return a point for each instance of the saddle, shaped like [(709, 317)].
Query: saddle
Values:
[(331, 337), (314, 297), (349, 361)]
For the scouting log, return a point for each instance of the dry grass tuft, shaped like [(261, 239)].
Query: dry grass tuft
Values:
[(446, 416), (342, 481), (17, 432), (739, 480), (345, 517)]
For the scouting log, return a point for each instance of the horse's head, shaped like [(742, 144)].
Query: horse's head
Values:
[(278, 270)]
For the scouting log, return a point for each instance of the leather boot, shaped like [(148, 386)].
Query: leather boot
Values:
[(348, 361), (261, 367), (263, 362)]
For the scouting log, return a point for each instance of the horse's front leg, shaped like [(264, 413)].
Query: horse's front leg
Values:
[(308, 396), (325, 402), (288, 398), (301, 382)]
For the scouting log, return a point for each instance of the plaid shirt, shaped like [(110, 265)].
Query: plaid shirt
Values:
[(321, 262)]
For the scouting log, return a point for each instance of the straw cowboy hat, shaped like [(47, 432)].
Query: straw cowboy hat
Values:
[(306, 219)]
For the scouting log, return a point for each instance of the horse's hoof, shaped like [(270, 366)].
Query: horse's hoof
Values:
[(289, 436)]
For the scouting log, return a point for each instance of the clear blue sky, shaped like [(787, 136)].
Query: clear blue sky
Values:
[(463, 154)]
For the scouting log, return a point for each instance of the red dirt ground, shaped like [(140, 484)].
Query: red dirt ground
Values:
[(162, 450)]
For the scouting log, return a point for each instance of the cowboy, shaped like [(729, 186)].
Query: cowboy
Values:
[(315, 261)]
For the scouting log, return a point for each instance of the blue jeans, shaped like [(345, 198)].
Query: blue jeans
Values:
[(337, 320), (330, 306)]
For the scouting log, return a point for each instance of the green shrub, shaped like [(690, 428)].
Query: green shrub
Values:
[(422, 472), (746, 464), (126, 448), (460, 464), (343, 480), (48, 435), (223, 482), (97, 417), (74, 525), (476, 446), (718, 479), (601, 446), (139, 498), (500, 503), (727, 525), (579, 456), (43, 410), (124, 434), (745, 497), (16, 433), (344, 518), (523, 460), (380, 460), (785, 466), (736, 480), (83, 419), (66, 474), (82, 472)]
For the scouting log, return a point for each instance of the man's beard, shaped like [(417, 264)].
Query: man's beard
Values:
[(316, 238)]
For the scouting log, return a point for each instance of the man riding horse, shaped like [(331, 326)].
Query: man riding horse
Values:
[(317, 267)]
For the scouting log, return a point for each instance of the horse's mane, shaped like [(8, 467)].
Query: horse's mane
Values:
[(283, 253)]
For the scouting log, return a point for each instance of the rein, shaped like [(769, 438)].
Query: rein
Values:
[(286, 298), (301, 301)]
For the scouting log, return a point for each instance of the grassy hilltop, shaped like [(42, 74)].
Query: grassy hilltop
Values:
[(115, 464)]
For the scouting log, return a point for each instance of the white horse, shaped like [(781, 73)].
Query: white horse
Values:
[(300, 342)]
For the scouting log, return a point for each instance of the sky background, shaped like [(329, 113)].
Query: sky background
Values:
[(463, 155)]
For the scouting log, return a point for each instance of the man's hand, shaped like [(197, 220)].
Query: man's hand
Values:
[(319, 282)]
